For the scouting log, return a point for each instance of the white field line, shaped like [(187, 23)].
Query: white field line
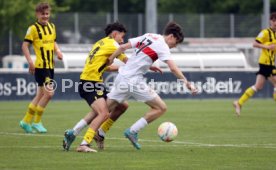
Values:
[(172, 144)]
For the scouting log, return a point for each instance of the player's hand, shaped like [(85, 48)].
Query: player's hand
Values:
[(271, 47), (192, 88), (59, 55), (156, 69), (31, 68)]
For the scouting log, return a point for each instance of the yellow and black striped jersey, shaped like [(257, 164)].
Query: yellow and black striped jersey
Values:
[(95, 63), (43, 38), (267, 37)]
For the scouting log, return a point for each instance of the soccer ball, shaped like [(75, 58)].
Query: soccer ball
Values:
[(167, 131)]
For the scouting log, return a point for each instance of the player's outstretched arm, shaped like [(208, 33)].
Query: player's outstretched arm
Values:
[(120, 50), (177, 72)]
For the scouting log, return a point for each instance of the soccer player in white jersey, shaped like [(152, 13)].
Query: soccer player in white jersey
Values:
[(130, 81)]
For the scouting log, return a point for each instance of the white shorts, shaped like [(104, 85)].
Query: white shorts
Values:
[(135, 87)]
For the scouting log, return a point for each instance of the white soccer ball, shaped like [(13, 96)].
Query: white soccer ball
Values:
[(167, 131)]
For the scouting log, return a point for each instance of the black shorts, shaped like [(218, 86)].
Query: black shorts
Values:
[(44, 76), (92, 90), (266, 70)]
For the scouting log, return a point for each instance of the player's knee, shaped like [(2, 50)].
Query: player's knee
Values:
[(162, 108), (105, 115), (49, 94), (123, 107), (258, 88)]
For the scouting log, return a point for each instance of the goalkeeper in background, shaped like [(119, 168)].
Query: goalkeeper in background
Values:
[(267, 71)]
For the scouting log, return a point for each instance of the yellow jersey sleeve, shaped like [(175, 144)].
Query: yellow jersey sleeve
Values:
[(30, 35), (266, 37), (122, 57), (263, 36)]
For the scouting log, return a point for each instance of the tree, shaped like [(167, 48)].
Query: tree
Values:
[(17, 15)]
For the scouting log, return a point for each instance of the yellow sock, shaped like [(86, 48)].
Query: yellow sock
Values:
[(247, 94), (274, 94), (106, 125), (30, 113), (38, 115), (89, 135)]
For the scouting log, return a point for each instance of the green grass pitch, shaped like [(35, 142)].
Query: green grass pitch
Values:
[(210, 137)]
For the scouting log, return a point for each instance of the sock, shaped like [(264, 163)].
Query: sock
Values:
[(30, 113), (38, 115), (274, 94), (105, 126), (137, 126), (247, 94), (101, 132), (79, 126), (89, 135)]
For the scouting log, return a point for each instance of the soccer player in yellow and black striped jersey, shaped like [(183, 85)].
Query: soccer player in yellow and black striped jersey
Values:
[(92, 89), (42, 35), (266, 40)]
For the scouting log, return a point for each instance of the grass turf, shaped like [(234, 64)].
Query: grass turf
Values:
[(210, 137)]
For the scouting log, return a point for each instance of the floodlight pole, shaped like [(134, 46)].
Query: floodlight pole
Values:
[(151, 16), (266, 13), (115, 10)]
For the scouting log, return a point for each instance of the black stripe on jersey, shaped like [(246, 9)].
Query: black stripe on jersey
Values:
[(30, 41), (269, 33), (38, 31), (52, 25), (44, 31), (102, 67), (52, 53), (43, 57), (273, 33), (258, 41), (49, 58), (49, 30), (270, 52)]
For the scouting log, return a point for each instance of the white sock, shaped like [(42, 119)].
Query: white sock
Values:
[(101, 132), (84, 142), (79, 126), (138, 125)]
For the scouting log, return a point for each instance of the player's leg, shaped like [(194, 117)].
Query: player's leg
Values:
[(70, 134), (44, 77), (25, 123), (157, 108), (48, 93), (249, 92), (272, 79), (100, 107), (114, 115)]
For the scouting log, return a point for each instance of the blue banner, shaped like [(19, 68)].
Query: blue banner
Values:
[(22, 86)]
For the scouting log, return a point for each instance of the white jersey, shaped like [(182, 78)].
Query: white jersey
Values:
[(148, 48)]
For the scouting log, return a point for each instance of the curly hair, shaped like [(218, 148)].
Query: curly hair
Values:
[(116, 26)]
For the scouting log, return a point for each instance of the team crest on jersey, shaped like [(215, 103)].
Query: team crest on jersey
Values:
[(99, 92)]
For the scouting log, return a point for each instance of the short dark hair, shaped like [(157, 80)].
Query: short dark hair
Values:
[(273, 16), (116, 26), (42, 6), (176, 30)]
